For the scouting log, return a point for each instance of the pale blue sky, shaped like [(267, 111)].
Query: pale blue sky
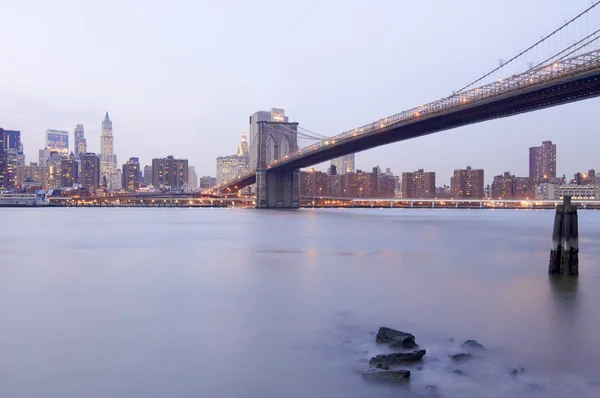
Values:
[(181, 77)]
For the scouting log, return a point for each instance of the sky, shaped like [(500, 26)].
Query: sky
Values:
[(181, 78)]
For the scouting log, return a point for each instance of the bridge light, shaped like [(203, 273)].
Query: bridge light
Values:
[(500, 80), (418, 114)]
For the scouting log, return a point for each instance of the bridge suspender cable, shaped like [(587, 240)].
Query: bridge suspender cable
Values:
[(530, 47)]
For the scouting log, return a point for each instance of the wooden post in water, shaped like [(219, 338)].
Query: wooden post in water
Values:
[(564, 255)]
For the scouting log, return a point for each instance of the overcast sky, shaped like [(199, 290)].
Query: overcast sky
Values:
[(181, 77)]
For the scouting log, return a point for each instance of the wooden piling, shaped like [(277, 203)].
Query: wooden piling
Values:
[(564, 254)]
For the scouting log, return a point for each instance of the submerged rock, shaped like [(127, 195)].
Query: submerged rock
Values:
[(473, 345), (388, 374), (395, 338), (461, 357), (384, 361)]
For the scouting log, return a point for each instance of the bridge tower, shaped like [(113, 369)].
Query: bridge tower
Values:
[(278, 188)]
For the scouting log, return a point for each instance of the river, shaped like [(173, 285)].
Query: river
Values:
[(133, 302)]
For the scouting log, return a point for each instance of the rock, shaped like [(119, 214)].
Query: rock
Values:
[(395, 338), (382, 360), (461, 357), (473, 345), (388, 374)]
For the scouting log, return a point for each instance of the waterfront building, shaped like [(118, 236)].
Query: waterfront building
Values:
[(69, 171), (108, 160), (507, 186), (57, 141), (192, 179), (343, 165), (169, 172), (33, 175), (207, 182), (131, 174), (588, 178), (418, 184), (467, 183), (147, 175), (542, 161), (3, 161), (230, 167), (80, 143), (549, 191), (54, 163), (90, 171)]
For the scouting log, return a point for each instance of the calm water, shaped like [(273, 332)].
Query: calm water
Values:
[(242, 303)]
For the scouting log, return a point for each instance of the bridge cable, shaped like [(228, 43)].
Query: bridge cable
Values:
[(543, 39)]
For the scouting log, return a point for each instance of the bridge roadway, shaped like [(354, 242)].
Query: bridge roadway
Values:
[(563, 82)]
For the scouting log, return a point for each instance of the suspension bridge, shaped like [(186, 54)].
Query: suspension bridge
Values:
[(570, 73)]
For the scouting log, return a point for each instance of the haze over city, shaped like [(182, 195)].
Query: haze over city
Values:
[(182, 78)]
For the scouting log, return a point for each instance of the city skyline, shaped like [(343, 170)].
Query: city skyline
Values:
[(153, 101)]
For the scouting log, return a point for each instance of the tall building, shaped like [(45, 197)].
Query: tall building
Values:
[(467, 183), (116, 180), (192, 178), (69, 171), (33, 175), (275, 115), (169, 172), (54, 163), (418, 184), (542, 161), (57, 141), (78, 136), (344, 164), (44, 155), (230, 167), (207, 182), (147, 175), (108, 161), (243, 148), (13, 142), (131, 174), (3, 161), (90, 171)]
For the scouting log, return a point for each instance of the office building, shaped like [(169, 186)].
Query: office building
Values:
[(343, 165), (32, 176), (588, 178), (231, 167), (3, 161), (207, 182), (275, 115), (12, 141), (57, 141), (192, 179), (131, 174), (548, 191), (116, 180), (108, 160), (54, 164), (78, 136), (147, 175), (467, 183), (418, 184), (69, 171), (90, 171), (542, 161), (169, 172)]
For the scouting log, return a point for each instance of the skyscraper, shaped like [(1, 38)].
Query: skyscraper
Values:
[(131, 174), (467, 183), (69, 171), (243, 148), (418, 184), (276, 115), (344, 164), (170, 172), (542, 161), (57, 141), (3, 161), (147, 175), (13, 142), (192, 178), (231, 167), (108, 163), (90, 171), (80, 142)]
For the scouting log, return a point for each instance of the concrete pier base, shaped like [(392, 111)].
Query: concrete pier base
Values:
[(564, 255), (277, 189)]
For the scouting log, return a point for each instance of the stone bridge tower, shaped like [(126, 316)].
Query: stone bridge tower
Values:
[(277, 188)]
